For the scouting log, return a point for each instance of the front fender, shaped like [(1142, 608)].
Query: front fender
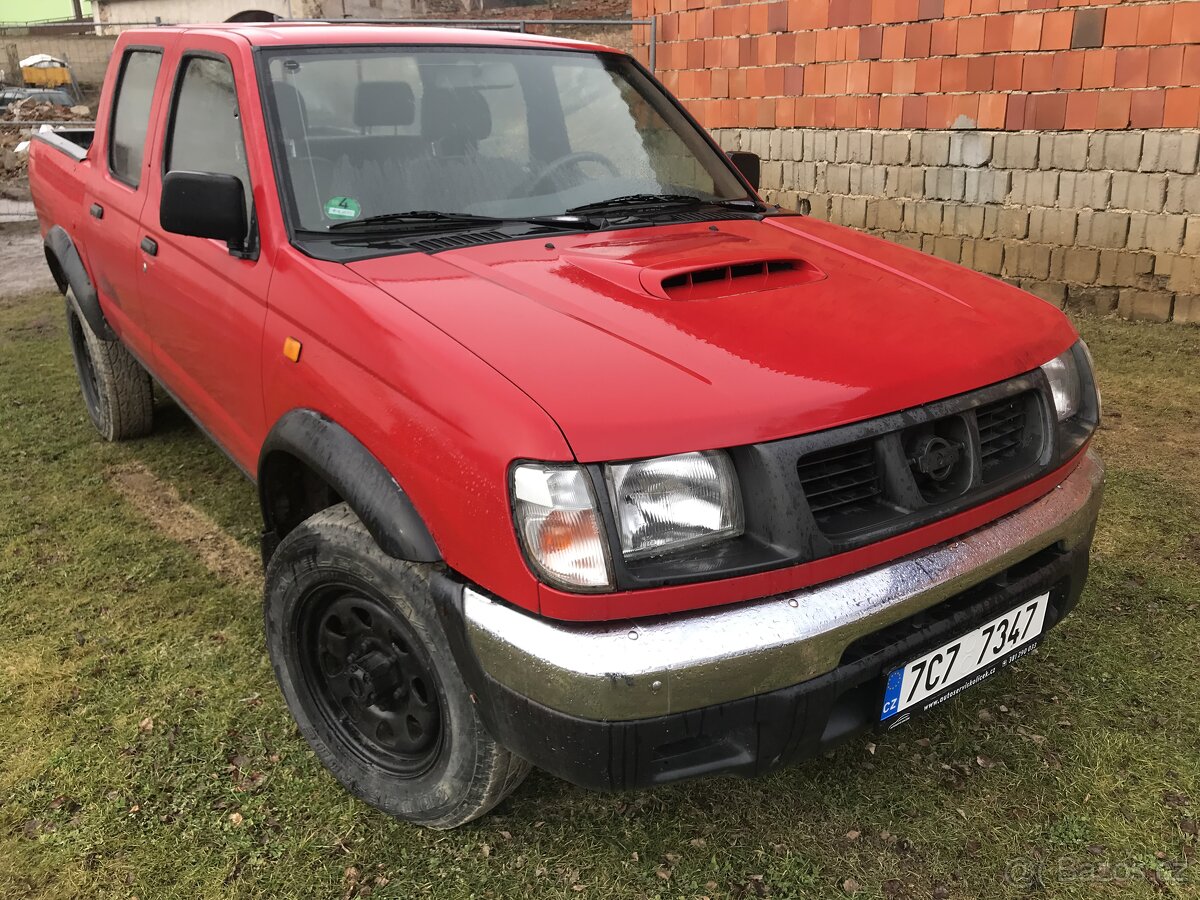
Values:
[(351, 472)]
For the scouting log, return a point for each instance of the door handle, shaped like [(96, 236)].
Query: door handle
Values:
[(97, 211), (149, 246)]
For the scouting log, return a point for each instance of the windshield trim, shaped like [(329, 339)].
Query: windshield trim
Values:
[(262, 55)]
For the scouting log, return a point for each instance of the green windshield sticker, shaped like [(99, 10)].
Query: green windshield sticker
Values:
[(343, 208)]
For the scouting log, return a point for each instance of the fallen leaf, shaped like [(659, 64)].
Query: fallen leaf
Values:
[(663, 872), (697, 842), (985, 762), (853, 835), (235, 819), (870, 748), (146, 725), (850, 886), (578, 887), (671, 858), (485, 850)]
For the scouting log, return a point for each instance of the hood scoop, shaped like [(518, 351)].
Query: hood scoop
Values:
[(675, 282)]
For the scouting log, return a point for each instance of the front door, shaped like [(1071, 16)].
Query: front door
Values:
[(207, 300)]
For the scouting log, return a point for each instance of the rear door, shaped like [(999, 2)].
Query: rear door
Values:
[(206, 300), (116, 191)]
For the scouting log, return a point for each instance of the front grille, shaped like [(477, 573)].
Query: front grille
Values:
[(919, 465), (842, 486)]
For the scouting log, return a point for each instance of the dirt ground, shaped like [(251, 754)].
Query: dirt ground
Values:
[(22, 264)]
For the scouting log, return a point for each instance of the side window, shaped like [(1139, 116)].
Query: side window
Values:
[(206, 131), (131, 114)]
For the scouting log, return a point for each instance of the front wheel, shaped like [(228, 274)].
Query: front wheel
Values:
[(368, 673)]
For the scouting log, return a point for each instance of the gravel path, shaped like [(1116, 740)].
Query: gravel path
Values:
[(23, 267)]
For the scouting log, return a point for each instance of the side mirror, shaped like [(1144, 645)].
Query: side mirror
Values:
[(748, 164), (204, 204)]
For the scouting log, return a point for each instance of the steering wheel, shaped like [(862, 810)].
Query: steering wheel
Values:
[(568, 159)]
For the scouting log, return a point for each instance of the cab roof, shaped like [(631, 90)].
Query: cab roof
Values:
[(336, 32)]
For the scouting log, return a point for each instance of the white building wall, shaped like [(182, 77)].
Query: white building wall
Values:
[(186, 12)]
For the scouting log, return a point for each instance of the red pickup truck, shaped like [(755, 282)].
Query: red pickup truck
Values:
[(571, 451)]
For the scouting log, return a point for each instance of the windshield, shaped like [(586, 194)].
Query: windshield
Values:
[(375, 131)]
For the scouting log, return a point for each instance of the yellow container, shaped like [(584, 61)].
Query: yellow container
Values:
[(46, 76)]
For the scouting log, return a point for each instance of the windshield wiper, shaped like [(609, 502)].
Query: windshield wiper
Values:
[(432, 218), (660, 200), (414, 217), (639, 200)]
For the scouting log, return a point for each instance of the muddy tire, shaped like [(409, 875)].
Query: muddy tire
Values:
[(370, 678), (116, 389)]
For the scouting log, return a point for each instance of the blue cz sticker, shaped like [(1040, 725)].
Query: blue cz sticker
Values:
[(891, 698)]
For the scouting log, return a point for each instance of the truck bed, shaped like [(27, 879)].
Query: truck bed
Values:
[(75, 142)]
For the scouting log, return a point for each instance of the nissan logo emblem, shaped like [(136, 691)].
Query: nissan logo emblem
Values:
[(936, 457)]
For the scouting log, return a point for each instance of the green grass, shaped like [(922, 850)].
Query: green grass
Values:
[(1079, 775)]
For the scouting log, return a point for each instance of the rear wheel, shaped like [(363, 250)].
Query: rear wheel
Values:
[(368, 673), (116, 389)]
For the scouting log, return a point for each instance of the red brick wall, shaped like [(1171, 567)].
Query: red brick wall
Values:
[(991, 64)]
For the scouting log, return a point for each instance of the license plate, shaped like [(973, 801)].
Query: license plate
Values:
[(962, 663)]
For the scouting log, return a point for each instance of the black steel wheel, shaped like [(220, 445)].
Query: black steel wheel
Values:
[(371, 678), (369, 675)]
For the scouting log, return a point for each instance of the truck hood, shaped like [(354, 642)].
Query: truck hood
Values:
[(688, 337)]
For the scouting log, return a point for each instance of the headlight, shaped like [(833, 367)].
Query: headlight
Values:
[(559, 525), (674, 502), (1063, 374)]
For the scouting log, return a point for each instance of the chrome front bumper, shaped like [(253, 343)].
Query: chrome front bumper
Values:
[(617, 671)]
